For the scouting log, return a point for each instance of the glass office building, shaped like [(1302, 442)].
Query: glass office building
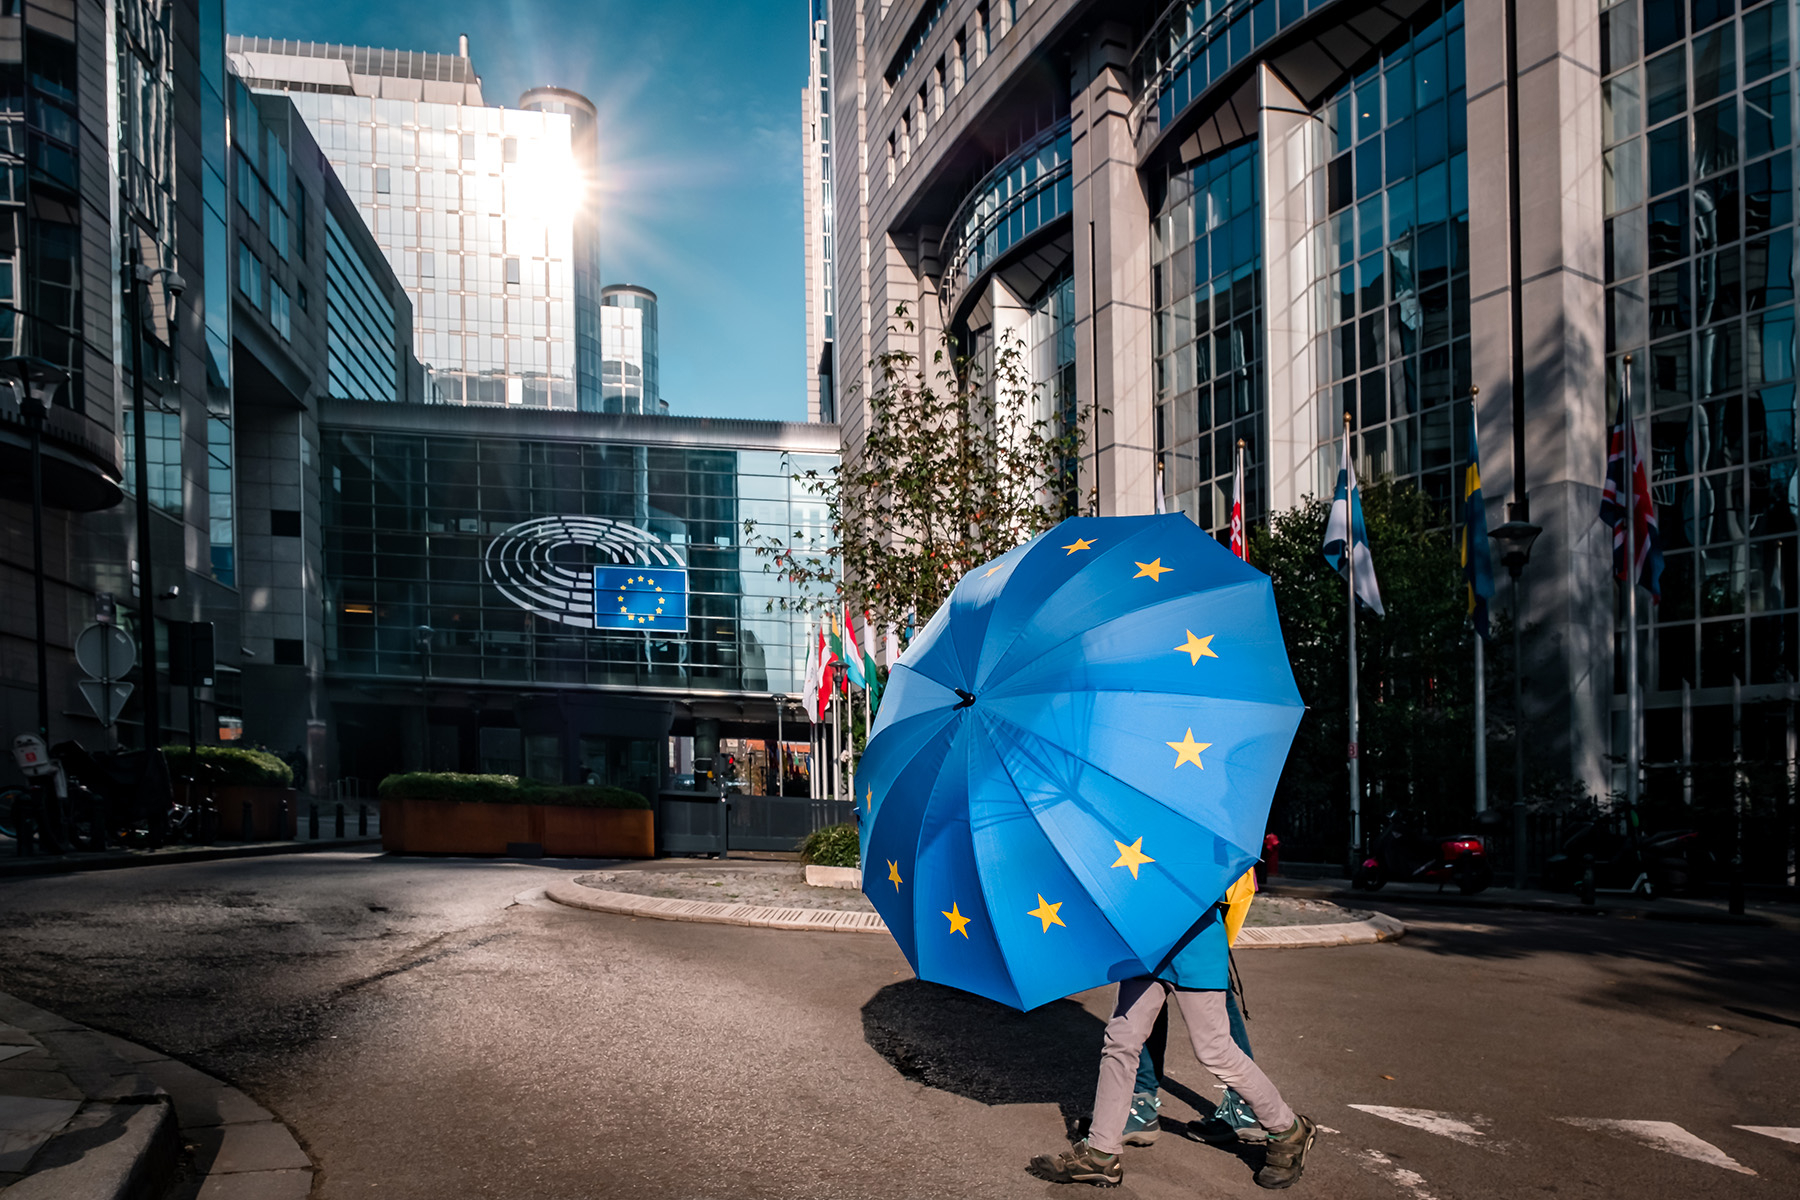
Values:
[(484, 212), (631, 374)]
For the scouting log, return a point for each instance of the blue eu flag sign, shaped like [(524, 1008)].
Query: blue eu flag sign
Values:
[(649, 599)]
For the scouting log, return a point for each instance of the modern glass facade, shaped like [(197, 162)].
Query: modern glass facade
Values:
[(359, 323), (1698, 120), (584, 130), (1026, 191), (427, 530), (631, 372), (1391, 264), (1206, 280)]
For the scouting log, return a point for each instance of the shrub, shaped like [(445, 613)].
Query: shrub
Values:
[(232, 765), (504, 789), (833, 846)]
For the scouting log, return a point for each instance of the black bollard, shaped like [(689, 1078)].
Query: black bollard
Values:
[(281, 820), (1737, 885), (362, 820), (247, 830), (312, 822), (340, 821), (1587, 880), (26, 833)]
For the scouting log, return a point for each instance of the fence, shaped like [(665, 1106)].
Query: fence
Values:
[(689, 823), (346, 811)]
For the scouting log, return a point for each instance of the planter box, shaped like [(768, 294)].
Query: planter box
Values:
[(834, 877), (264, 810), (458, 827)]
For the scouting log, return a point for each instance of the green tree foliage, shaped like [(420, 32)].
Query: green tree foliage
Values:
[(1415, 667), (959, 462)]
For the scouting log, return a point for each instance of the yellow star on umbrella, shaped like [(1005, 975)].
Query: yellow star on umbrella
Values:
[(991, 570), (1079, 544), (1132, 856), (869, 800), (958, 922), (894, 874), (1197, 648), (1153, 569), (1046, 912), (1188, 750)]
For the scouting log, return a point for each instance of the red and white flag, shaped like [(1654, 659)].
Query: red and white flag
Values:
[(1237, 505)]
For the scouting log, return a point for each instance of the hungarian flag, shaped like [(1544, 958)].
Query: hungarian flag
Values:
[(871, 669), (1237, 505), (1621, 461)]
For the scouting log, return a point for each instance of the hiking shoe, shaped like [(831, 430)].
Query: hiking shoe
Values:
[(1142, 1125), (1286, 1156), (1080, 1163)]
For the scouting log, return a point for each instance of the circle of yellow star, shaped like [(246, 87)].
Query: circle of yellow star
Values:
[(894, 876), (958, 922), (1078, 544), (1132, 856), (1197, 648), (1153, 569), (1188, 750), (1046, 912)]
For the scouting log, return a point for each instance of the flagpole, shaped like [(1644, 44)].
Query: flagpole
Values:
[(1631, 582), (1481, 780), (1352, 749)]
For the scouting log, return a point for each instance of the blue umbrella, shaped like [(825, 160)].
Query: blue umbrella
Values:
[(1075, 757)]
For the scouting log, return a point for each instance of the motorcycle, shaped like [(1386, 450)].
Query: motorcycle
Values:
[(1628, 860), (1405, 851)]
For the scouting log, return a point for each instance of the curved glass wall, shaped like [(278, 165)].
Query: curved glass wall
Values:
[(1391, 264), (1023, 193), (1698, 121), (1206, 281)]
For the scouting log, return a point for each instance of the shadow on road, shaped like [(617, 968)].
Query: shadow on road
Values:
[(960, 1043)]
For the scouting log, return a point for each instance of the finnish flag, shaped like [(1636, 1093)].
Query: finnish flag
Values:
[(1346, 525)]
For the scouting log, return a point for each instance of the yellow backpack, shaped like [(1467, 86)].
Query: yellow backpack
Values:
[(1237, 904)]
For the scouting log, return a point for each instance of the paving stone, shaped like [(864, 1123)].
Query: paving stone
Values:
[(263, 1146), (130, 1052), (42, 1082), (20, 1015), (110, 1152), (201, 1100), (257, 1185), (26, 1123)]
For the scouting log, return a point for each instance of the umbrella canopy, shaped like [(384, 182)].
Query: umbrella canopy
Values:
[(1075, 758)]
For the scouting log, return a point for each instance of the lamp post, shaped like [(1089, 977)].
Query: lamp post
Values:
[(140, 278), (1515, 539), (35, 382)]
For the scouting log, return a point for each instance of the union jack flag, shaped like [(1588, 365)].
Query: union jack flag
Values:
[(1622, 450)]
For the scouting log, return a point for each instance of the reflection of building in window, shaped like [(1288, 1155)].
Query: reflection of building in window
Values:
[(628, 351), (163, 433), (221, 506), (359, 323)]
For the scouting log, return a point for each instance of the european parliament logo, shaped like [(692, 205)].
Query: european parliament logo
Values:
[(647, 599)]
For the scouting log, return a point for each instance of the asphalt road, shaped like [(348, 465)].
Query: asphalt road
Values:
[(428, 1036)]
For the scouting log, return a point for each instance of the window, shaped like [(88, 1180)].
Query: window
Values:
[(163, 432), (250, 274), (278, 228), (512, 272), (893, 157), (384, 180), (509, 149), (300, 221), (219, 499), (284, 522), (468, 145), (249, 189), (290, 652), (301, 289), (427, 265), (280, 315)]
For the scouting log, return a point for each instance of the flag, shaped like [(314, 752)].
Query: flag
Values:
[(1345, 525), (852, 655), (890, 645), (1478, 567), (871, 669), (827, 682), (810, 689), (1162, 501), (1237, 505), (1621, 457)]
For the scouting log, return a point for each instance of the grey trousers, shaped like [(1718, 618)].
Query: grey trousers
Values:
[(1133, 1016)]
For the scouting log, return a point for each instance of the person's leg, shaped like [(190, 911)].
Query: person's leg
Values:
[(1150, 1061), (1133, 1016), (1210, 1028), (1233, 1112), (1240, 1036)]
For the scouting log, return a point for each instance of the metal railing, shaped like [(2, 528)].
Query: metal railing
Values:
[(1025, 191)]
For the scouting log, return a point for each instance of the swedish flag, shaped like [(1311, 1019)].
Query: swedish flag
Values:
[(647, 599), (1478, 569)]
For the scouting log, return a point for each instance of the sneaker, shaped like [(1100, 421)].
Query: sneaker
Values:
[(1080, 1163), (1286, 1156), (1142, 1125), (1232, 1123)]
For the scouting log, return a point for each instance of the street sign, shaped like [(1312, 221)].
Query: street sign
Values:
[(104, 651), (105, 611), (106, 698)]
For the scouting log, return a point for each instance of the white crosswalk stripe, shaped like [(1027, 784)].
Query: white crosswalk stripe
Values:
[(1410, 1183), (1468, 1130), (1786, 1133), (1662, 1135)]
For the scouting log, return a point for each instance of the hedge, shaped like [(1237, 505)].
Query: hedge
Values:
[(832, 846), (232, 765), (504, 789)]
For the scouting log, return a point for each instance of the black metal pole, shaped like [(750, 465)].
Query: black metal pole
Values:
[(36, 425), (1521, 852), (141, 477), (1516, 254)]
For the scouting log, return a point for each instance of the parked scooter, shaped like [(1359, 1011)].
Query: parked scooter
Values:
[(1405, 851), (1628, 860), (121, 796)]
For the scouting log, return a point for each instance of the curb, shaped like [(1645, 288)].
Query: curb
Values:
[(147, 1121), (25, 867), (1682, 916), (1379, 927)]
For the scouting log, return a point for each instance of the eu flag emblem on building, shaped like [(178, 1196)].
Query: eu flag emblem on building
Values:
[(649, 599)]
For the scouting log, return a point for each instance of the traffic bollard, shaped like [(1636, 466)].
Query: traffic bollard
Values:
[(340, 820), (247, 830), (312, 822), (1587, 881), (280, 832), (362, 820)]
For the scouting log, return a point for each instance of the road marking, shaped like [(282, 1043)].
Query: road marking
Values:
[(1662, 1135), (1442, 1124), (1410, 1182), (1784, 1133)]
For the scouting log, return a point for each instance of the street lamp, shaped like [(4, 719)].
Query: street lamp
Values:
[(35, 382), (139, 278), (1515, 539)]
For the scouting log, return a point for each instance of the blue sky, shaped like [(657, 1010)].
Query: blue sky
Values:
[(700, 155)]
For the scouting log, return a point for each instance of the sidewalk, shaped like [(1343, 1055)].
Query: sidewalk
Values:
[(11, 864), (88, 1116)]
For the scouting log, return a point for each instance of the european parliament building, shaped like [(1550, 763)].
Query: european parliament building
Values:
[(1224, 219)]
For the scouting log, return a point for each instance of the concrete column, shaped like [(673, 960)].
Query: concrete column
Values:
[(1567, 594), (1111, 225)]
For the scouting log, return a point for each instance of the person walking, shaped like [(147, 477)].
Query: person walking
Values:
[(1196, 974)]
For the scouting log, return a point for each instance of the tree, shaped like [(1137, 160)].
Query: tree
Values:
[(1416, 742), (955, 468)]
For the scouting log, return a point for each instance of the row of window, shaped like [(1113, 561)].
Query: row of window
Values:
[(254, 285), (968, 50)]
